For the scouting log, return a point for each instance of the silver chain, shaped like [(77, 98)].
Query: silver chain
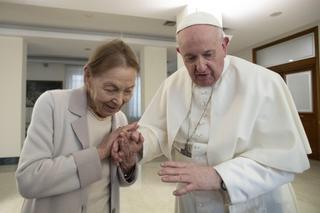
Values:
[(202, 114)]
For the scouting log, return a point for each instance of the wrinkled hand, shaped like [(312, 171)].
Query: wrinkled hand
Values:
[(105, 146), (126, 148), (195, 177)]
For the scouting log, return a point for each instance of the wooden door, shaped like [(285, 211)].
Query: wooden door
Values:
[(301, 78)]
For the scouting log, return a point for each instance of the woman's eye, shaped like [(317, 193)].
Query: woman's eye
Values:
[(128, 92), (109, 90)]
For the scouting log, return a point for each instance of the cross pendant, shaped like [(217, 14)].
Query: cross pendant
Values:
[(187, 150)]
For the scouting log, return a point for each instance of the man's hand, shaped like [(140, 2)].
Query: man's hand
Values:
[(196, 177), (105, 146)]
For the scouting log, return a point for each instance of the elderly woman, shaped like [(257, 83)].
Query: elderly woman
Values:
[(65, 162)]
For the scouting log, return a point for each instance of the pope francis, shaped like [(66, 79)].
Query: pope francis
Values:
[(229, 127)]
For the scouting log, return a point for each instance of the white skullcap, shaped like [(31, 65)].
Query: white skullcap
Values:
[(198, 18)]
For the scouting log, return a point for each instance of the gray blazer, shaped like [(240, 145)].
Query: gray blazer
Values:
[(56, 163)]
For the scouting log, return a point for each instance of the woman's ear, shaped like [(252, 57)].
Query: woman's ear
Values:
[(86, 76)]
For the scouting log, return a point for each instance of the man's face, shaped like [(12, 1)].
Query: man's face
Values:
[(203, 50)]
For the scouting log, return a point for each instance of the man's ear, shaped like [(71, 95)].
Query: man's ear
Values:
[(178, 50), (225, 43)]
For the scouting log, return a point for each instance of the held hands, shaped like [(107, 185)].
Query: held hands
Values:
[(125, 150), (195, 177), (126, 147), (104, 148)]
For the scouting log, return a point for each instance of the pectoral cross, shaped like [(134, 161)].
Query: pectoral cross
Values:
[(187, 150)]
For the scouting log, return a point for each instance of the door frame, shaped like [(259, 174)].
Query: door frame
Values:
[(297, 66)]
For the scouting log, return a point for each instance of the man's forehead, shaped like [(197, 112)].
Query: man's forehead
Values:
[(202, 51), (198, 33)]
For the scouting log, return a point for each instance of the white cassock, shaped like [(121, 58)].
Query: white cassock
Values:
[(251, 134)]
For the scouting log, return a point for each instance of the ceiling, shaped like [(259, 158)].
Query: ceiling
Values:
[(72, 28)]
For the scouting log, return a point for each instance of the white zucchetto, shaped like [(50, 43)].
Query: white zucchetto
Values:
[(198, 18)]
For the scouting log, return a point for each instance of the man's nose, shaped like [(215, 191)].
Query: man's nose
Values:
[(201, 64)]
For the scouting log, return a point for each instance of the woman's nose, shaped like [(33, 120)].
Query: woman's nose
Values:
[(118, 98)]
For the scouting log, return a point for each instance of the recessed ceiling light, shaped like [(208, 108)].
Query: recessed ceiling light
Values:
[(275, 14)]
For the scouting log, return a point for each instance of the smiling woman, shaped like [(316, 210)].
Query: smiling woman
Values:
[(110, 80), (66, 154)]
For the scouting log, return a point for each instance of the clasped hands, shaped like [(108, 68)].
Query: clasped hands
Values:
[(123, 145)]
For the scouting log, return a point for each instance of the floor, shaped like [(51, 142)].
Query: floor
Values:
[(151, 195)]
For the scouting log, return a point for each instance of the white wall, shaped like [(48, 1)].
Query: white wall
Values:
[(245, 54), (45, 71), (153, 72), (12, 93)]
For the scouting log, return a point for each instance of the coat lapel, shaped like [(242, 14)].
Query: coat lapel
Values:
[(78, 106)]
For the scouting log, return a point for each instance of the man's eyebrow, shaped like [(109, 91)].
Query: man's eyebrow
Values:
[(188, 55), (210, 51)]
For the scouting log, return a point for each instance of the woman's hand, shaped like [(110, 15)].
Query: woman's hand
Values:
[(125, 151), (104, 147)]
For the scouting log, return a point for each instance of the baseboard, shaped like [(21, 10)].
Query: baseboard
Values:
[(9, 161)]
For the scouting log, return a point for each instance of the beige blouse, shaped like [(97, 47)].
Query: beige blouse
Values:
[(98, 192)]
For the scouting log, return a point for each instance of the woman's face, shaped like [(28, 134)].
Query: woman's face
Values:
[(109, 91)]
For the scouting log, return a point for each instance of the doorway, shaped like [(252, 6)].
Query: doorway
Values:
[(301, 79), (301, 76)]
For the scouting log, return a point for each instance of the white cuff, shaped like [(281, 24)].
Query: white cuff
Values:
[(246, 179)]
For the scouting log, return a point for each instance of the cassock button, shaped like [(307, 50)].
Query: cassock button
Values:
[(204, 92)]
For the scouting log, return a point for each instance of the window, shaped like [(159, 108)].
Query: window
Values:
[(291, 50), (133, 108), (73, 76)]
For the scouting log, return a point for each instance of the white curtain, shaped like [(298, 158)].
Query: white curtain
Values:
[(73, 76), (133, 108)]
